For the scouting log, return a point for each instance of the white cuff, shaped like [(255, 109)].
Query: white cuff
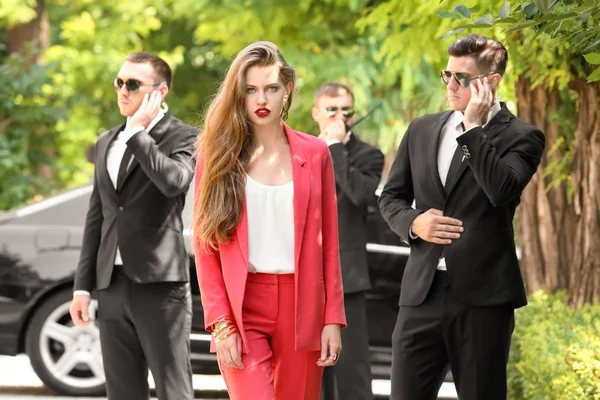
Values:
[(473, 127), (332, 141), (411, 234), (129, 132), (82, 292)]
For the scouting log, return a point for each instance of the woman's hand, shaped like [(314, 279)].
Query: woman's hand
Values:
[(331, 342), (229, 351)]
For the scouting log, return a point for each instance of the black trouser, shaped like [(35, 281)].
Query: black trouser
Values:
[(145, 326), (352, 372), (442, 332)]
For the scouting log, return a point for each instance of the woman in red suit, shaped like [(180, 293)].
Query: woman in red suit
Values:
[(266, 236)]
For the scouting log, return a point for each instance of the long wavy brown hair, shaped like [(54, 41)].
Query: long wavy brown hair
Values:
[(225, 146)]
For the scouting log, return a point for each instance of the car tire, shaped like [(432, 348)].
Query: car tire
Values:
[(65, 358)]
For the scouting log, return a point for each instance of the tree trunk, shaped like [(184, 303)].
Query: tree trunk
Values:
[(29, 40), (559, 229), (36, 32), (584, 280)]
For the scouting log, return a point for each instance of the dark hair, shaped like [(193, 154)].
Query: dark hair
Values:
[(162, 71), (332, 89), (489, 54)]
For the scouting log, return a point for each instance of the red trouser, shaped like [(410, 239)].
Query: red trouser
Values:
[(273, 368)]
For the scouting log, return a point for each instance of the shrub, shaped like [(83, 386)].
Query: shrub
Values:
[(555, 352)]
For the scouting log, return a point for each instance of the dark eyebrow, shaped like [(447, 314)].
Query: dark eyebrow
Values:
[(268, 85)]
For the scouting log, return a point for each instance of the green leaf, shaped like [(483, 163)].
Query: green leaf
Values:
[(355, 5), (506, 21), (555, 17), (447, 14), (585, 15), (592, 46), (594, 76), (530, 10), (504, 11), (484, 20), (592, 58), (542, 5), (463, 10)]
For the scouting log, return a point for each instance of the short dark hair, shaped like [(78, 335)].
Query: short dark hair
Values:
[(332, 89), (490, 55), (162, 71)]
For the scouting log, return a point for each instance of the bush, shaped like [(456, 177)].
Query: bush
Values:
[(27, 132), (555, 351)]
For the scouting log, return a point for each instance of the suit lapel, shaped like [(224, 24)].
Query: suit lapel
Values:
[(434, 145), (301, 176), (103, 158), (157, 133), (491, 130)]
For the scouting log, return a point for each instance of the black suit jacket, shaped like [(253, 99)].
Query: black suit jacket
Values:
[(144, 215), (357, 166), (482, 265)]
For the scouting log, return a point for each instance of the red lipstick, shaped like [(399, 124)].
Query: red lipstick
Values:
[(262, 112)]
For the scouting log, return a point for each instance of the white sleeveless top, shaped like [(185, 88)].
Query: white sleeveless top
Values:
[(270, 211)]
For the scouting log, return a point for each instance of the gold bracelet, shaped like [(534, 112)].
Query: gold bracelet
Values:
[(222, 325), (223, 332), (219, 320), (225, 335), (229, 330)]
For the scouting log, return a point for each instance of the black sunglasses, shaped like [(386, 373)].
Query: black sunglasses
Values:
[(132, 85), (462, 78), (347, 112)]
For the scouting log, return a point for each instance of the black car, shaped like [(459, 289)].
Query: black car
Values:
[(39, 251)]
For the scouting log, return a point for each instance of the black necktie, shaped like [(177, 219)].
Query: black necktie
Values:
[(457, 160), (123, 167)]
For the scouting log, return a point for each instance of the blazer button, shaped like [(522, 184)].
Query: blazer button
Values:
[(120, 208)]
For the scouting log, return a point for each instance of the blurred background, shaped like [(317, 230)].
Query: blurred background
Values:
[(58, 59)]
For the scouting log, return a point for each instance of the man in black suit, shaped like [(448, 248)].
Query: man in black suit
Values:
[(465, 169), (133, 249), (357, 167)]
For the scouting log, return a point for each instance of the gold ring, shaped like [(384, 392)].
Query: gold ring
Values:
[(334, 357)]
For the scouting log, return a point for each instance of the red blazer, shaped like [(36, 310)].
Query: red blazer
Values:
[(319, 296)]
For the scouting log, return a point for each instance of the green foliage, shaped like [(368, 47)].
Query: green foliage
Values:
[(27, 134), (15, 12), (559, 30), (555, 351), (322, 41)]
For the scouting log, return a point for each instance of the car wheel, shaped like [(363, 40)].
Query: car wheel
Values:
[(65, 357)]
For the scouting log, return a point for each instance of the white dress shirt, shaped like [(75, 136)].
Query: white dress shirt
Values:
[(270, 211), (116, 151), (450, 132)]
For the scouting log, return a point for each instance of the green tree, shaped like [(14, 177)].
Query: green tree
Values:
[(27, 114), (322, 40)]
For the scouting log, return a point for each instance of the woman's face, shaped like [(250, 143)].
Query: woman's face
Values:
[(265, 95)]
